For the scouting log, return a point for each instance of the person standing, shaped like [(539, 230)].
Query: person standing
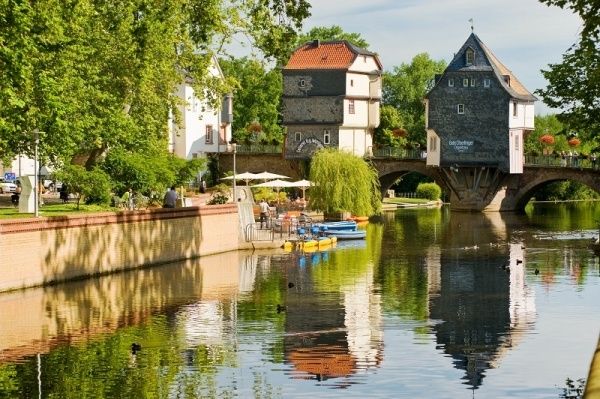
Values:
[(170, 199), (264, 212), (128, 199)]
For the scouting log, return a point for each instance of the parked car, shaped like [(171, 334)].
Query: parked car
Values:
[(52, 185), (7, 186)]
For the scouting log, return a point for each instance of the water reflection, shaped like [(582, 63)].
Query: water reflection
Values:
[(454, 294)]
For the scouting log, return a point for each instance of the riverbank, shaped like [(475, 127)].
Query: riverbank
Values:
[(40, 251)]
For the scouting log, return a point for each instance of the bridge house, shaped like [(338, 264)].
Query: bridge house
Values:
[(477, 113), (331, 98)]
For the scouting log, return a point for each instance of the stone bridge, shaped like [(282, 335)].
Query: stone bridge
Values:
[(469, 188)]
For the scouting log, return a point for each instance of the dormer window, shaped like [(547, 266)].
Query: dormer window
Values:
[(469, 56)]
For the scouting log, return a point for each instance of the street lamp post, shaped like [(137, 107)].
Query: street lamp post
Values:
[(36, 140), (233, 150)]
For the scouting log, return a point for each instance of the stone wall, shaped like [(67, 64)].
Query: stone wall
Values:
[(480, 135), (39, 251)]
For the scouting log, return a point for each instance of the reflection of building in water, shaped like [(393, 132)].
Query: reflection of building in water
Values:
[(332, 334), (363, 321), (485, 306)]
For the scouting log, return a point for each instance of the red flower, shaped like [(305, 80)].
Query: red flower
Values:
[(547, 139), (254, 127), (399, 132)]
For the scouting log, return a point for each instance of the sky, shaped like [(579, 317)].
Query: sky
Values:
[(525, 35)]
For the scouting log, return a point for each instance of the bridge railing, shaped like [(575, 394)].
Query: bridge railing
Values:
[(259, 149), (396, 153), (561, 162)]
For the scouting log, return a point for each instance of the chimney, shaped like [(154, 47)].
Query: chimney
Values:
[(316, 43)]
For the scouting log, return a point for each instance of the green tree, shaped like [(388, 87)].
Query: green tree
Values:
[(328, 33), (389, 132), (97, 75), (93, 186), (405, 87), (257, 99), (574, 84), (343, 182)]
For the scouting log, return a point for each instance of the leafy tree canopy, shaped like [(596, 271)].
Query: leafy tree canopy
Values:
[(574, 84), (389, 132), (343, 182), (257, 97), (334, 32), (404, 89), (93, 75)]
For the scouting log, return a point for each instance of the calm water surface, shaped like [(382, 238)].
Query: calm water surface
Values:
[(433, 304)]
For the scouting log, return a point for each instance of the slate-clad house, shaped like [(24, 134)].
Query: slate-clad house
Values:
[(477, 113), (331, 97)]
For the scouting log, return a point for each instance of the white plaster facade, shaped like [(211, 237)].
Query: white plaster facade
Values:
[(202, 129)]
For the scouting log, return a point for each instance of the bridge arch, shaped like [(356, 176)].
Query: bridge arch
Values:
[(535, 178), (389, 171)]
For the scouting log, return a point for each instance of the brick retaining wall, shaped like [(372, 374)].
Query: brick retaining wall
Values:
[(39, 251)]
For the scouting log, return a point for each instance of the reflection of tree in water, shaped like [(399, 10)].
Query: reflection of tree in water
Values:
[(474, 307)]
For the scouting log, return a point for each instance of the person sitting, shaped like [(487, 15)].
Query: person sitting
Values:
[(14, 199), (170, 199)]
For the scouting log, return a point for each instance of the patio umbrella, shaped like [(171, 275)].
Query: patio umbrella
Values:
[(246, 176), (303, 184), (276, 184), (269, 175)]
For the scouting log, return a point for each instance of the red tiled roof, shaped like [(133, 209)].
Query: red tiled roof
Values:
[(325, 55)]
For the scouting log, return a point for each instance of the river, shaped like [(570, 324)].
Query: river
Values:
[(434, 304)]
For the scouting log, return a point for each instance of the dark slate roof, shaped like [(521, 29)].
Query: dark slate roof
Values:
[(336, 54), (485, 60)]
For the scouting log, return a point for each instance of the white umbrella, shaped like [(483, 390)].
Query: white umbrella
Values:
[(247, 176), (269, 175), (276, 184), (303, 184)]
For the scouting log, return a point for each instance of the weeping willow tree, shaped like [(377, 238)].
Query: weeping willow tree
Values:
[(343, 183)]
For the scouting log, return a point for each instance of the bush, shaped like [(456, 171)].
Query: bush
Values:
[(91, 186), (220, 195), (429, 191), (147, 173)]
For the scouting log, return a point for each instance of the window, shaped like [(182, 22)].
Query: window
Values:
[(469, 56), (517, 142), (302, 83), (351, 106), (515, 109), (450, 82), (298, 136), (209, 134), (460, 108), (472, 82), (486, 82), (466, 82), (432, 144), (326, 136), (351, 82)]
